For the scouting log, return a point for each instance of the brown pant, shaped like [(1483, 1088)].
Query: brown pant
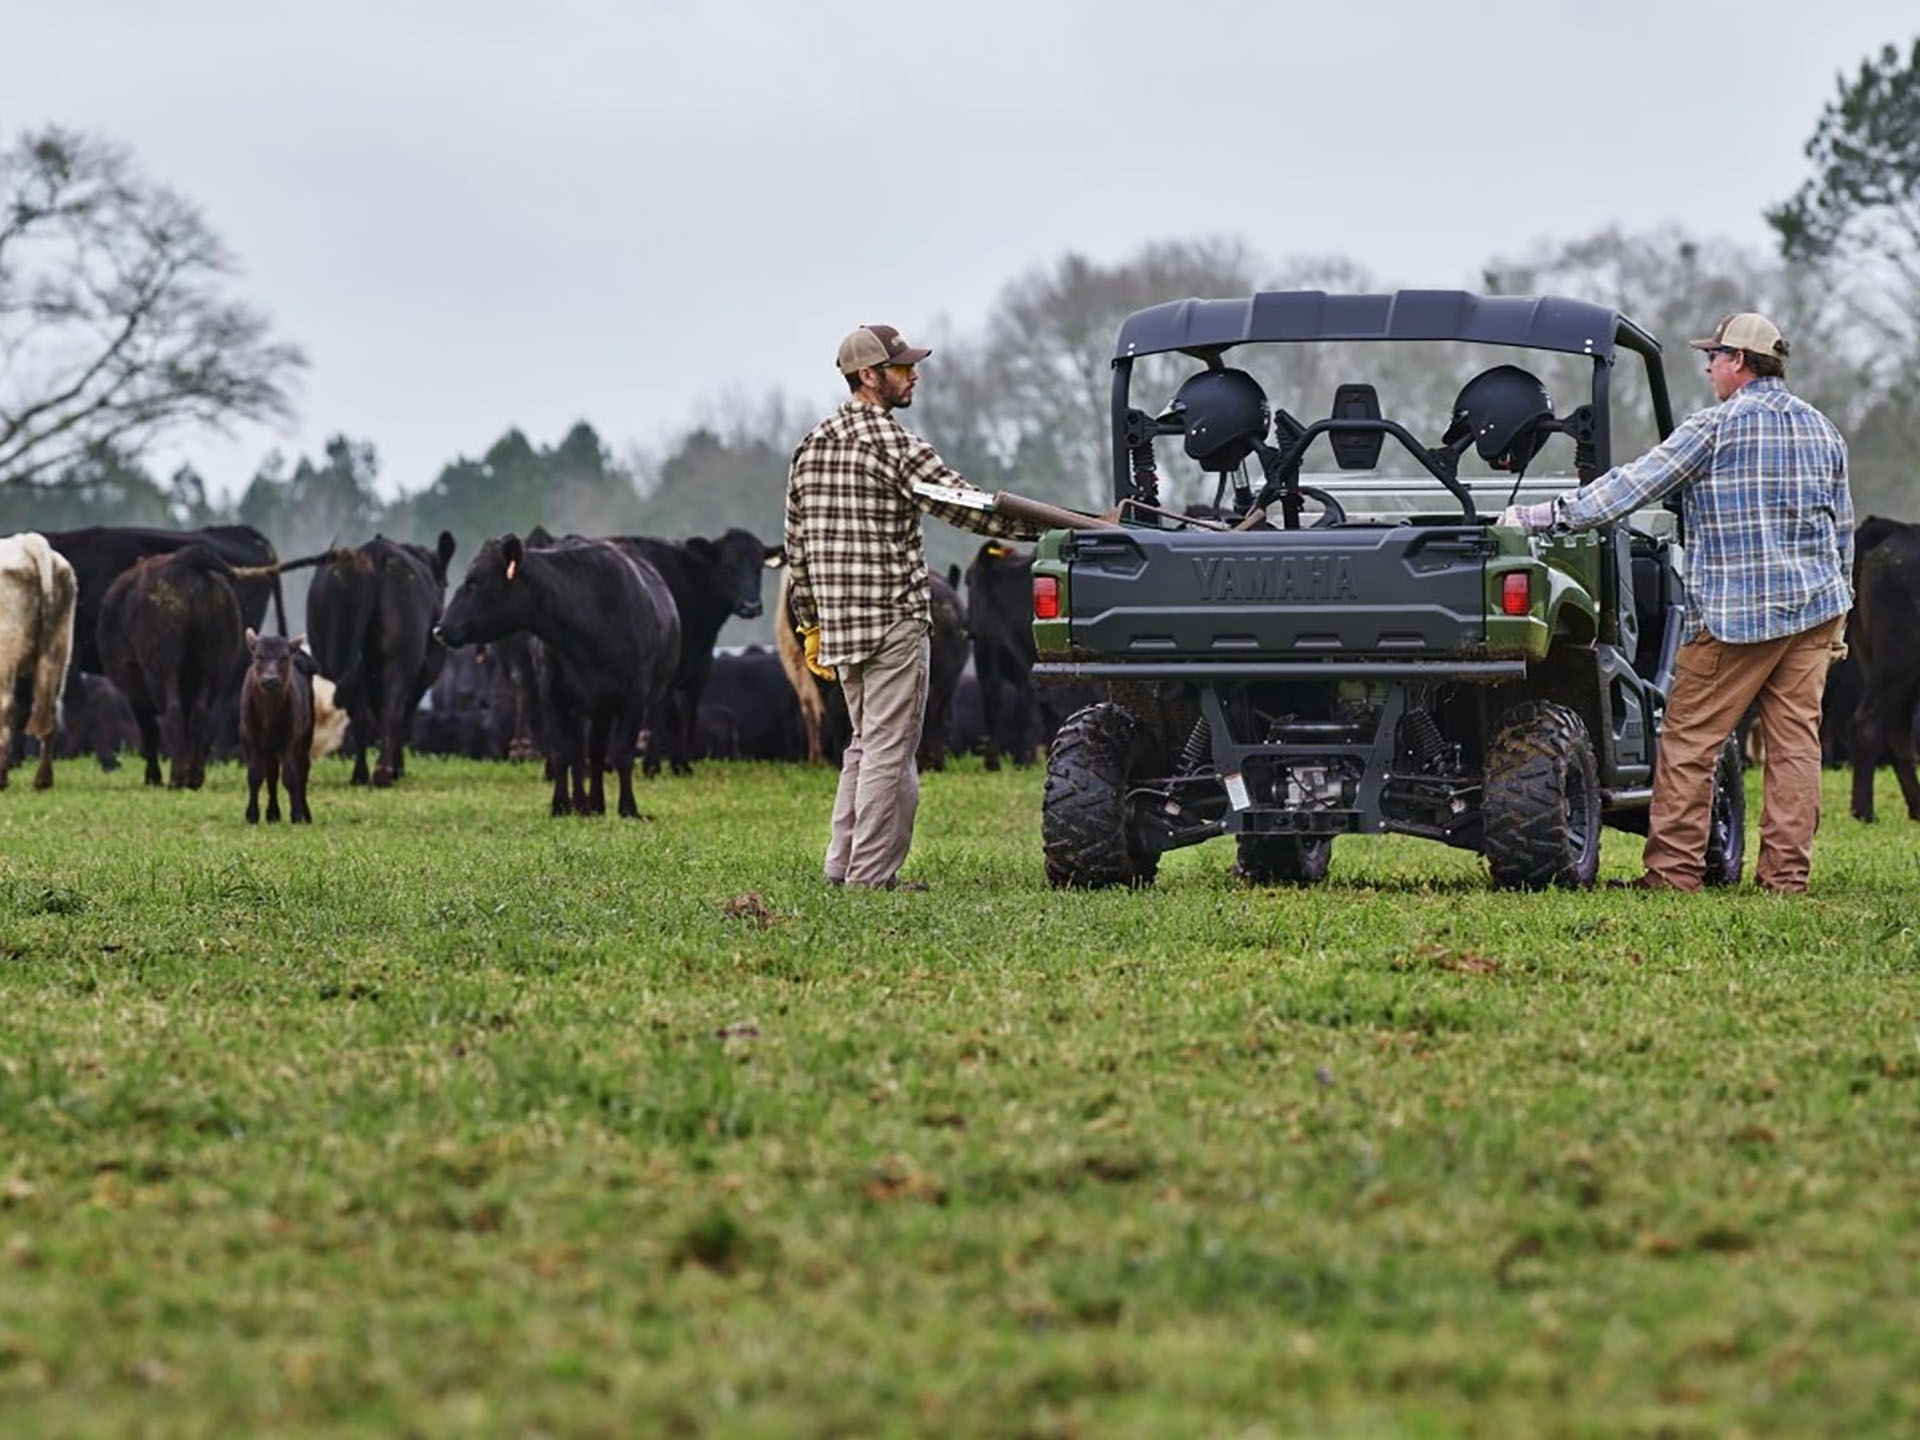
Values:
[(879, 790), (1714, 684)]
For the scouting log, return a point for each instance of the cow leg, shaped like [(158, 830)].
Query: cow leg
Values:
[(986, 670), (296, 772), (253, 792), (1869, 739), (598, 727), (6, 726), (1025, 705), (393, 734), (149, 723), (626, 725), (656, 742), (1900, 742), (681, 721), (273, 789), (361, 722), (173, 732)]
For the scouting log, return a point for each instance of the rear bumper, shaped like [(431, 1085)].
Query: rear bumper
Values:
[(1424, 672)]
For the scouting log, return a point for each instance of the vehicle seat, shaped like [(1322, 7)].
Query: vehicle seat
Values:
[(1656, 587)]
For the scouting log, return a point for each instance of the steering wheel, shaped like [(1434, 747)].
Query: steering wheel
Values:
[(1331, 511)]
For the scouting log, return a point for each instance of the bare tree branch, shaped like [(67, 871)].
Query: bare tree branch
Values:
[(113, 326)]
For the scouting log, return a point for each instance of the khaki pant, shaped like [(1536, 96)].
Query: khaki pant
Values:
[(879, 790), (1714, 684)]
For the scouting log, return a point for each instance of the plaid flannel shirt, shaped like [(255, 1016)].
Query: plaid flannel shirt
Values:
[(856, 555), (1769, 519)]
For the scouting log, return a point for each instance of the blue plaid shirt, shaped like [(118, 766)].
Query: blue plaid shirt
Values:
[(1769, 520)]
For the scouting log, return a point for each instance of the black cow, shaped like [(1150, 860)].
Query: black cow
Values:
[(750, 711), (371, 613), (1000, 615), (1884, 632), (711, 580), (470, 708), (1019, 717), (100, 554), (169, 637), (609, 640), (946, 658)]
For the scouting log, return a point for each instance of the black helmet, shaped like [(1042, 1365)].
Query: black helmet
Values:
[(1502, 409), (1225, 414)]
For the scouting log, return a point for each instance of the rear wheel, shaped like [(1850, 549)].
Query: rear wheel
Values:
[(1085, 827), (1284, 859), (1540, 811), (1727, 828)]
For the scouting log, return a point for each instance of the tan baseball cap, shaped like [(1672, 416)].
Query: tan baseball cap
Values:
[(877, 345), (1746, 331)]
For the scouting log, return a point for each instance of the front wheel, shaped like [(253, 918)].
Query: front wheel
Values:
[(1727, 828), (1540, 812), (1085, 825), (1284, 859)]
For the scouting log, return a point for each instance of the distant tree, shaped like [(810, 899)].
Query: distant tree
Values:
[(1862, 202), (113, 328), (1048, 355), (104, 485)]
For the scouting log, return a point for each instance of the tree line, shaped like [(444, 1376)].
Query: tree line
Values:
[(114, 329)]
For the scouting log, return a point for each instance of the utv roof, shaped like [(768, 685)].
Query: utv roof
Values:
[(1549, 322)]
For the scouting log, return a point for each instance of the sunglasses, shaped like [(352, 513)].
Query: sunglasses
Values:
[(1718, 350)]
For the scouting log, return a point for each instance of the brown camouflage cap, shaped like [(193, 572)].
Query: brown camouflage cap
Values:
[(1745, 331), (877, 345)]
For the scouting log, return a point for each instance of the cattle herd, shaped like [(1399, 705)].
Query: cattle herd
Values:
[(594, 654)]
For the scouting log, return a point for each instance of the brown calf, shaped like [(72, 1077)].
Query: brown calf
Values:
[(276, 725)]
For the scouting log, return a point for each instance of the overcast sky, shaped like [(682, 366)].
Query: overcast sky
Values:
[(481, 215)]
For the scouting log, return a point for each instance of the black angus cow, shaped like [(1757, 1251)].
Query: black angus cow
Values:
[(1018, 716), (1000, 615), (371, 613), (100, 554), (711, 580), (609, 643), (750, 711), (470, 708), (823, 709), (170, 639), (1884, 636), (946, 658)]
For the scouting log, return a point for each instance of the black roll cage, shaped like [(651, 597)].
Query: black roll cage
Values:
[(1207, 329)]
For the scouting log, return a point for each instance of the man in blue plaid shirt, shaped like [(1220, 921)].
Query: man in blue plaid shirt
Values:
[(1762, 477)]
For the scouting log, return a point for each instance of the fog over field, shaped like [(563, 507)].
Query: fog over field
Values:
[(480, 215)]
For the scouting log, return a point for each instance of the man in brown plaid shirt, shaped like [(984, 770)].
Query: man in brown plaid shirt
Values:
[(857, 565)]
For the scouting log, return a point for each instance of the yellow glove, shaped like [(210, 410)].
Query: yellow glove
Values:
[(810, 647)]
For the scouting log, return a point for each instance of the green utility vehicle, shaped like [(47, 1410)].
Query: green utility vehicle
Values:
[(1358, 651)]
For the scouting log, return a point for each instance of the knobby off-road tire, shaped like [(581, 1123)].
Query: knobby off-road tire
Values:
[(1094, 757), (1727, 829), (1540, 809), (1284, 859)]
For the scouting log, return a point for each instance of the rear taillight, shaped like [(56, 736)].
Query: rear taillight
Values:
[(1516, 592), (1046, 598)]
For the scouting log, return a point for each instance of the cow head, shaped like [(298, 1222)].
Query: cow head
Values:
[(739, 563), (493, 598), (274, 659)]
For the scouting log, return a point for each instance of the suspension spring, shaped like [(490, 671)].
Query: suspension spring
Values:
[(1424, 740), (1199, 747)]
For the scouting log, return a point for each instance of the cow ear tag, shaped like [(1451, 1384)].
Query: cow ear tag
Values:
[(999, 552), (513, 568)]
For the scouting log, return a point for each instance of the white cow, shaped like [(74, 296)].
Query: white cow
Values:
[(37, 592)]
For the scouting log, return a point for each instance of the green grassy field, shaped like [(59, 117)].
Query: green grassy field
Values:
[(441, 1117)]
